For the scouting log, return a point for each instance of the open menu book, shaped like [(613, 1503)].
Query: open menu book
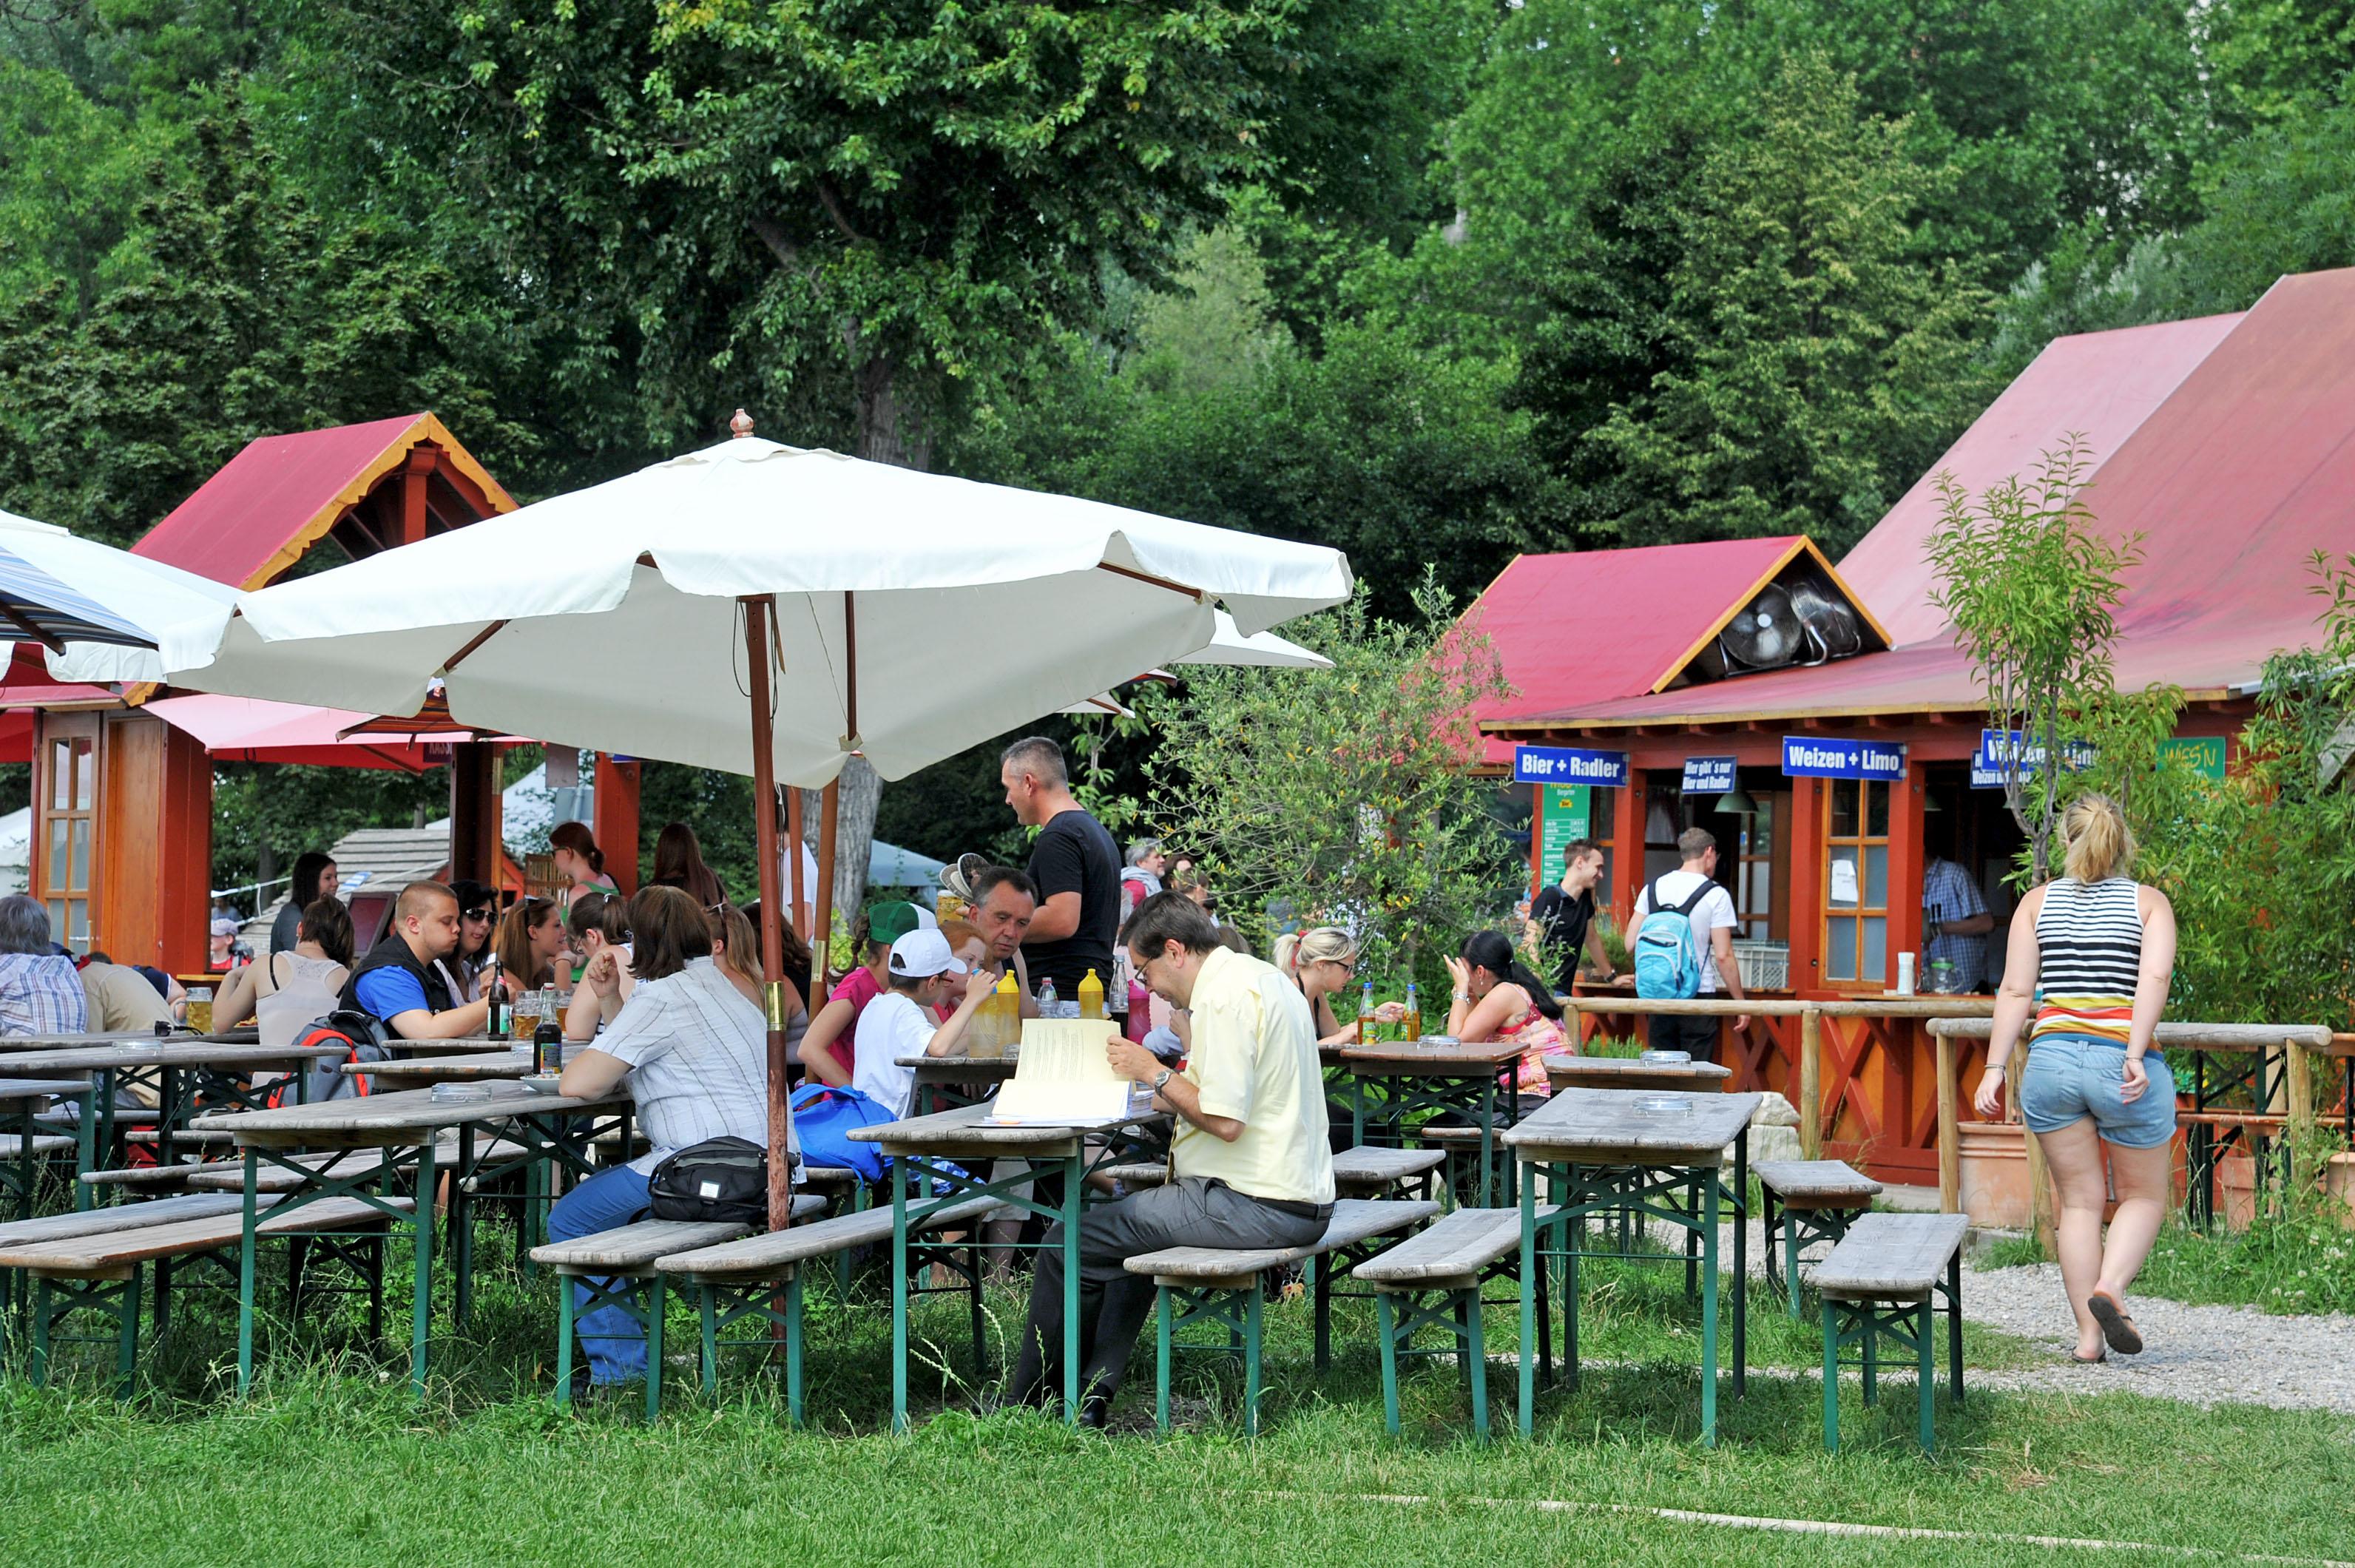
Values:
[(1062, 1078)]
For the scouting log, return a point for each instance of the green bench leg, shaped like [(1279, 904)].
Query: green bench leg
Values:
[(563, 1340), (1791, 1262), (37, 1368), (1251, 1360), (794, 1346), (1831, 1376), (1872, 1358), (126, 1354), (1390, 1362), (1478, 1363), (657, 1300), (1955, 1322), (1925, 1344), (1161, 1361), (710, 1305)]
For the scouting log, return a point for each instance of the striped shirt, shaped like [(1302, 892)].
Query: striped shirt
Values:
[(698, 1053), (2089, 959), (41, 994)]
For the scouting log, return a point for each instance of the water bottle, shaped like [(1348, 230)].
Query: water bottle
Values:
[(1046, 999)]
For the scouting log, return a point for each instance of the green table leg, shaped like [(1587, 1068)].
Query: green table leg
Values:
[(126, 1354), (1488, 1139), (1530, 1263), (899, 1295), (1072, 1289), (86, 1149), (1390, 1361), (1479, 1364), (793, 1403), (1791, 1261), (461, 1226), (422, 1309), (656, 1302), (563, 1340), (1161, 1361), (245, 1278), (1709, 1292)]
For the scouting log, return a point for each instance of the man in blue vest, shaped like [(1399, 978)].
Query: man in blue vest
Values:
[(402, 980)]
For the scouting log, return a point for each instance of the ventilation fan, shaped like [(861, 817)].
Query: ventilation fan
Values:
[(1831, 625), (1765, 634)]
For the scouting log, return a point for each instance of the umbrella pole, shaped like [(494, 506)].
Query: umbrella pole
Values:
[(821, 939), (795, 881), (765, 833)]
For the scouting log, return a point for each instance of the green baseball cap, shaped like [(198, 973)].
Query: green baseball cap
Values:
[(888, 921)]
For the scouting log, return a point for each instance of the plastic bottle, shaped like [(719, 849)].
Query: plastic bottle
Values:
[(1000, 1019), (1046, 999), (1367, 1021), (1413, 1022), (1092, 997)]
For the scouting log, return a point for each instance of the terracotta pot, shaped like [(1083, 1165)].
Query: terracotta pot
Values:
[(1995, 1174), (2236, 1190), (2338, 1181)]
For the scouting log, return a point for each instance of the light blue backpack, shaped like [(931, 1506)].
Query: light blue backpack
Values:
[(1668, 965)]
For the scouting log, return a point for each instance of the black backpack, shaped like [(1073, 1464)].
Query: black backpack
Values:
[(717, 1179)]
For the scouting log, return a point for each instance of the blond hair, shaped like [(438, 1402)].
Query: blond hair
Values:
[(1323, 944), (2096, 842)]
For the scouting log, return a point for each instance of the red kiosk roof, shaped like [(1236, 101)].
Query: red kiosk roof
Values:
[(279, 495), (2235, 480)]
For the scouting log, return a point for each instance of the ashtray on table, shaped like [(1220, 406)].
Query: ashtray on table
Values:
[(461, 1094)]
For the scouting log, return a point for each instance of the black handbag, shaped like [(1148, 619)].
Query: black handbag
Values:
[(717, 1179)]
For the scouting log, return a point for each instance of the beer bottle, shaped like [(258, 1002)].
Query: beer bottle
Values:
[(1413, 1022)]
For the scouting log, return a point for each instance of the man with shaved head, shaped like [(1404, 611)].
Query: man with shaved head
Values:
[(402, 980)]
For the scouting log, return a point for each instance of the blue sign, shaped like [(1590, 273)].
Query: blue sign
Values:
[(1811, 757), (1562, 765), (2002, 751), (1709, 775)]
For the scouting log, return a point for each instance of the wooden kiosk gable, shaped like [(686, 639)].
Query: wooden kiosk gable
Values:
[(122, 850), (2230, 453)]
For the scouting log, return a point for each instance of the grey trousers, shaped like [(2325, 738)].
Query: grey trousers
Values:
[(1114, 1302)]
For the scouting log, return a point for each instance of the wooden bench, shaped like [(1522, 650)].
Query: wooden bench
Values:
[(1819, 1198), (610, 1266), (1223, 1285), (1880, 1279), (95, 1263), (1433, 1279), (740, 1280)]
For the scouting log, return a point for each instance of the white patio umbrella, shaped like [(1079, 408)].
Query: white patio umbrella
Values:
[(102, 612), (764, 602)]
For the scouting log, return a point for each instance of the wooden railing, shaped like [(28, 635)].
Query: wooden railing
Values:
[(1809, 1100), (2300, 1043)]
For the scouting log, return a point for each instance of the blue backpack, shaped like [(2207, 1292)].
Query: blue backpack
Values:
[(823, 1119), (1668, 965)]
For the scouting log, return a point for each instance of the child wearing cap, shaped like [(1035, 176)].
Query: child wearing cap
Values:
[(829, 1047), (920, 970)]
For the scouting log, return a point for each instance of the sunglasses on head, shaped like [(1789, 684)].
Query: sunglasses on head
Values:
[(482, 912)]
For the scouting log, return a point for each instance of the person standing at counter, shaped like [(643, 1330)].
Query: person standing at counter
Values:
[(1954, 926), (1561, 921), (1693, 891)]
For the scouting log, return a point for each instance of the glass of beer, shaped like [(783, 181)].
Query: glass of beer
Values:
[(200, 1008)]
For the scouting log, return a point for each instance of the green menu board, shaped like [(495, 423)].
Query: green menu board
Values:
[(1568, 813), (2202, 754)]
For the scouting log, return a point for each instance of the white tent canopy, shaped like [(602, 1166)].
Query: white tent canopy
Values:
[(610, 617)]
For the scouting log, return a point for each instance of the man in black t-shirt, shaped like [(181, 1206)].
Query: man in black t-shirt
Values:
[(1562, 917), (1075, 865)]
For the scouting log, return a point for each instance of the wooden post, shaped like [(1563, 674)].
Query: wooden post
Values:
[(2300, 1076), (474, 811), (1950, 1145), (772, 969), (616, 825), (2039, 1178), (829, 805), (1811, 1085)]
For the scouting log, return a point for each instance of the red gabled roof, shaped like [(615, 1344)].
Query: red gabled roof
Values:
[(1590, 626), (271, 502), (2099, 385), (2234, 481)]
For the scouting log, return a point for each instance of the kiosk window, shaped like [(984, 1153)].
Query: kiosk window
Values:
[(1856, 882)]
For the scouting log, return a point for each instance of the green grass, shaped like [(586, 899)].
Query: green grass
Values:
[(331, 1462)]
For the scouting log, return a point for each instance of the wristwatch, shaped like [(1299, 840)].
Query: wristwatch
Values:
[(1166, 1074)]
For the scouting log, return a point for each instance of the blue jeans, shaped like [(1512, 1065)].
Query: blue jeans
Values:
[(2070, 1077), (616, 1347)]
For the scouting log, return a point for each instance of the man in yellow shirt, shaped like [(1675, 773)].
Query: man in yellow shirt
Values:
[(1250, 1166)]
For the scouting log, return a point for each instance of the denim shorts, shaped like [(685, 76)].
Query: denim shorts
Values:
[(2072, 1076)]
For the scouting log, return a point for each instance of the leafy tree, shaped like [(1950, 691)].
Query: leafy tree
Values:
[(2030, 587), (1345, 792)]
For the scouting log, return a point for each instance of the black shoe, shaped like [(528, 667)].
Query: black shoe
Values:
[(1095, 1410)]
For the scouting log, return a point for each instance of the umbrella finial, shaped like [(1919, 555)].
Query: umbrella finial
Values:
[(741, 424)]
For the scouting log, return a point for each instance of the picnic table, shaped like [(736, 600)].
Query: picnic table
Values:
[(422, 1071), (1390, 1081), (27, 1097), (404, 1128), (1606, 1150), (182, 1068), (929, 1147), (1564, 1072), (940, 1080)]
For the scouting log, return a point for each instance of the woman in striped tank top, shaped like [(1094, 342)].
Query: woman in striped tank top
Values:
[(2100, 947)]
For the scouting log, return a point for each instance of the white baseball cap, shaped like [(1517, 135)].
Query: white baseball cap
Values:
[(921, 954)]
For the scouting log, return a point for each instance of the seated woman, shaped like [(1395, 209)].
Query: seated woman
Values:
[(737, 946), (1496, 998), (600, 923), (1322, 961), (292, 988), (478, 916), (579, 861), (694, 1055), (532, 933)]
